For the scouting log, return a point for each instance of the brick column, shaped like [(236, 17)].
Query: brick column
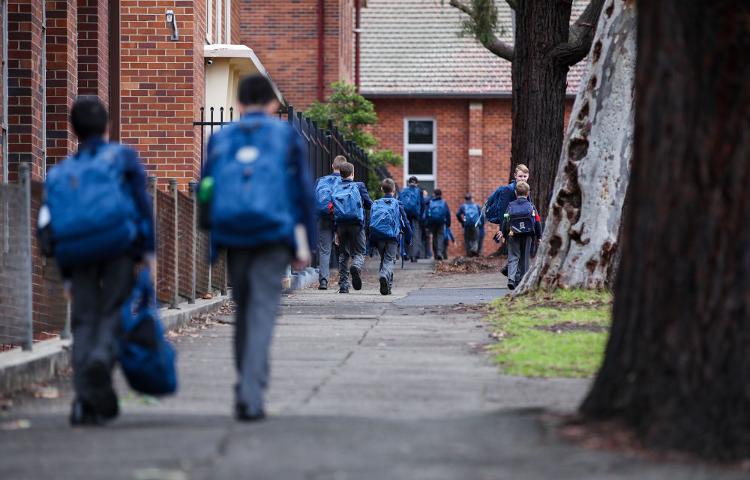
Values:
[(162, 86), (25, 102), (62, 77), (476, 137), (93, 49)]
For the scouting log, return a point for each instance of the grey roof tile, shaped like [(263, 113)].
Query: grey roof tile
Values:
[(416, 47)]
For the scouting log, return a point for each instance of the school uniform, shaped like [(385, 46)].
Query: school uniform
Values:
[(352, 240), (387, 246)]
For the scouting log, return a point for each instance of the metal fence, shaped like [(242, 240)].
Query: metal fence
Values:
[(32, 306)]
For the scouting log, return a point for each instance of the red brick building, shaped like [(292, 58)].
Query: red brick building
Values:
[(442, 99)]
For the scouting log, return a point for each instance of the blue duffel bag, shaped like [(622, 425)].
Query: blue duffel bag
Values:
[(146, 357)]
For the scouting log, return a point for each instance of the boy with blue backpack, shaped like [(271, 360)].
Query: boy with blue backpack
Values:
[(437, 216), (323, 199), (388, 221), (470, 216), (349, 201), (522, 227), (261, 208), (97, 222), (411, 199)]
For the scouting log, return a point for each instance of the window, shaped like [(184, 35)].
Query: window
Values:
[(419, 152), (209, 20)]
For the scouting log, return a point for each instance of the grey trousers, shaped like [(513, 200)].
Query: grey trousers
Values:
[(416, 242), (352, 245), (519, 252), (99, 292), (471, 240), (438, 240), (256, 290), (325, 243), (387, 249)]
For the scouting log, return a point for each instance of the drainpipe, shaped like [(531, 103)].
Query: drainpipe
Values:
[(321, 49), (356, 42)]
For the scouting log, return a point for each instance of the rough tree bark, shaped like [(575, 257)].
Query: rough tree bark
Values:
[(581, 233), (677, 363), (545, 47)]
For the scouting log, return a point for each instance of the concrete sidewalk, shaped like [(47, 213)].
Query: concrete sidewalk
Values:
[(363, 387)]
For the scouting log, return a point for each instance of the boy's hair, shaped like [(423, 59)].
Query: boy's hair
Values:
[(413, 180), (522, 168), (256, 90), (388, 185), (522, 189), (338, 161), (437, 192), (346, 169), (88, 117)]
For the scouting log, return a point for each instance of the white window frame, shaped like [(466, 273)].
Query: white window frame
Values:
[(218, 22), (209, 21), (228, 21), (421, 147)]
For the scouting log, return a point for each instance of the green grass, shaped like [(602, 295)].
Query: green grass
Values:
[(550, 335)]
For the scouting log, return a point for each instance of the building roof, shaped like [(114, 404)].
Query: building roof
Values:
[(415, 48)]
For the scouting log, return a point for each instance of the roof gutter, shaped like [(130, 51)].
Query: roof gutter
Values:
[(445, 95)]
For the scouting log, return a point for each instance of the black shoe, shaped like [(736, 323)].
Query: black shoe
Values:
[(504, 271), (104, 401), (413, 260), (323, 285), (511, 286), (356, 278), (384, 286), (83, 415), (241, 414), (343, 290)]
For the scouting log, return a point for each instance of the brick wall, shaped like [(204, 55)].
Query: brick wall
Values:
[(486, 126), (62, 77), (93, 48), (288, 44), (25, 86), (162, 86)]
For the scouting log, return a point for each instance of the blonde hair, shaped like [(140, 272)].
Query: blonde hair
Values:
[(522, 189), (338, 161), (522, 168)]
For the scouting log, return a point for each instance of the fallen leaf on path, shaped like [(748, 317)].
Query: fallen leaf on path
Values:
[(15, 425), (47, 392)]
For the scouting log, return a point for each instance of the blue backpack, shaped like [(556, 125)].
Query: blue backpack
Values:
[(324, 193), (437, 211), (92, 211), (471, 214), (385, 218), (347, 203), (411, 198), (521, 217), (251, 199), (497, 203), (146, 357)]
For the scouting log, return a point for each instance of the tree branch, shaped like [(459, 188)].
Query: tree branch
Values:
[(512, 4), (580, 37), (493, 44)]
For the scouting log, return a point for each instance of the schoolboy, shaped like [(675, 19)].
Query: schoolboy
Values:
[(350, 200), (438, 216), (262, 211), (469, 216), (96, 255), (388, 221), (522, 227), (497, 203), (323, 192), (411, 199)]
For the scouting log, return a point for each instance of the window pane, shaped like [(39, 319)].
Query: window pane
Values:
[(420, 163), (420, 131), (428, 185)]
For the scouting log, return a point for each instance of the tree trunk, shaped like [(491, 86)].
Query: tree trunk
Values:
[(539, 93), (581, 233), (677, 363)]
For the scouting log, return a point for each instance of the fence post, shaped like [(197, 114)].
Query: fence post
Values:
[(176, 251), (193, 247), (152, 191), (25, 177)]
